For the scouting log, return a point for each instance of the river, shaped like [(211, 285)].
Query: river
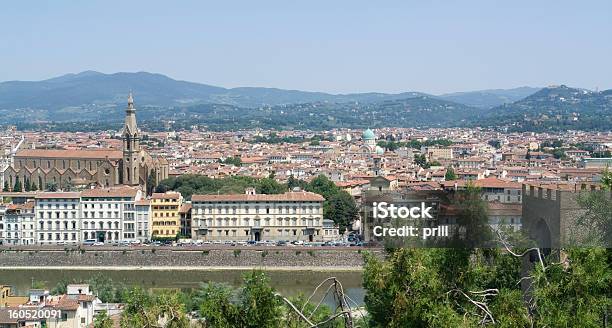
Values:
[(287, 283)]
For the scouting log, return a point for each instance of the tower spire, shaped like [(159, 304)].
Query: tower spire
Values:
[(130, 101), (131, 146)]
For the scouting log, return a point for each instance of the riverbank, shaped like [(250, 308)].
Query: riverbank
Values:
[(296, 259), (190, 268)]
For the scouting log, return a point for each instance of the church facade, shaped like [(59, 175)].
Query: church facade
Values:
[(69, 169)]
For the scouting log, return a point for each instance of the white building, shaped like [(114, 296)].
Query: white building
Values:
[(20, 224), (240, 217), (2, 224), (331, 231), (109, 215), (58, 218), (143, 214)]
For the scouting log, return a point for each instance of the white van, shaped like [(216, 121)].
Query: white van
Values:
[(89, 242)]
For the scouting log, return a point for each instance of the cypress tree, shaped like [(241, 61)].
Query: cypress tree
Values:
[(17, 186)]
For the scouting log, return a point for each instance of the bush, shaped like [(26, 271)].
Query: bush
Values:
[(237, 252)]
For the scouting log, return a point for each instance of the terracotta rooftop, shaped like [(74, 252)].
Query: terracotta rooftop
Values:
[(490, 182), (185, 208), (123, 191), (288, 196), (169, 195), (80, 153), (64, 195)]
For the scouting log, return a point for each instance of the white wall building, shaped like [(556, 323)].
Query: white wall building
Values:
[(109, 214), (20, 224), (57, 218), (143, 214)]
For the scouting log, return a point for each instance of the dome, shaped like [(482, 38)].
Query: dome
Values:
[(379, 150), (368, 135)]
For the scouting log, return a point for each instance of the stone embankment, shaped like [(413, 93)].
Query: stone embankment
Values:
[(316, 259)]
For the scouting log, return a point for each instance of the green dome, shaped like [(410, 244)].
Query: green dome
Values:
[(368, 135), (379, 150)]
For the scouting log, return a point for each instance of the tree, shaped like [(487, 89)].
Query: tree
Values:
[(473, 287), (495, 143), (450, 174), (151, 183), (270, 186), (292, 182), (473, 218), (339, 205), (216, 307), (341, 209), (26, 185), (33, 186), (259, 305), (102, 320), (6, 186), (606, 179), (51, 186), (421, 160), (105, 288), (596, 221), (17, 187), (316, 314), (236, 161)]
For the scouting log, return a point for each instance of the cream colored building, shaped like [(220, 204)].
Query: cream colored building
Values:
[(437, 153), (165, 219), (244, 217)]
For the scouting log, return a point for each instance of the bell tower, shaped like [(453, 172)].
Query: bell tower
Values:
[(131, 146)]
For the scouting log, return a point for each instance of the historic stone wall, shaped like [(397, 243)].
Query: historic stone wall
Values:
[(152, 257)]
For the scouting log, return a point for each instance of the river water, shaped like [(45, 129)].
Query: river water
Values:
[(287, 283)]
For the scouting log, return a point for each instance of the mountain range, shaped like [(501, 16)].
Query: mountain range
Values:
[(93, 100), (92, 88)]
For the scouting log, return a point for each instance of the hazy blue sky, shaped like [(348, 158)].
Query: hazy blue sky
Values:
[(334, 46)]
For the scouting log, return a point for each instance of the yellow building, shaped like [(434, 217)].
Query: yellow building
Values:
[(5, 292), (7, 299), (165, 218)]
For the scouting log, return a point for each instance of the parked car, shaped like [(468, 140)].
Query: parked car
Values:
[(89, 242), (98, 243)]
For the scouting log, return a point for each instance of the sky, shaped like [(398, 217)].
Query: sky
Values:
[(333, 46)]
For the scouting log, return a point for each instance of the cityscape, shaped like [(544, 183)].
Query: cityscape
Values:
[(305, 165)]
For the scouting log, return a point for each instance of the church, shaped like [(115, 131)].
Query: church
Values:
[(82, 168)]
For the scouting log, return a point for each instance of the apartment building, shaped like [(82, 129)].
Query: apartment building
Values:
[(109, 215), (437, 153), (75, 309), (20, 224), (492, 189), (57, 218), (143, 213), (256, 217), (2, 223), (165, 217)]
